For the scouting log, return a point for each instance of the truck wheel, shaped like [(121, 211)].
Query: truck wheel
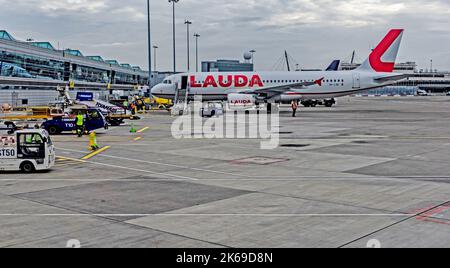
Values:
[(114, 123), (53, 130), (27, 167)]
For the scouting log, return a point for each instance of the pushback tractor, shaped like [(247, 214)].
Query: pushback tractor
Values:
[(25, 150)]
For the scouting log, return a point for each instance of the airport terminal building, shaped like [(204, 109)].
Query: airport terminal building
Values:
[(42, 61), (431, 81)]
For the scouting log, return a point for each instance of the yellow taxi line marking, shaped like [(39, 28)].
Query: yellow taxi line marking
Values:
[(142, 130), (71, 159), (138, 138), (95, 153)]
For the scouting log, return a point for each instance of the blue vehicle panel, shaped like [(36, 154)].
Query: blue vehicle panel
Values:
[(94, 120)]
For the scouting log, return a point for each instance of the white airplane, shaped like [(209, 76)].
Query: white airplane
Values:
[(249, 88)]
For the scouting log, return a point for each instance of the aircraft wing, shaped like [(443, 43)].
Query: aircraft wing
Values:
[(277, 90)]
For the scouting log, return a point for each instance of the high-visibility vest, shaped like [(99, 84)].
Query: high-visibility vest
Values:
[(80, 120)]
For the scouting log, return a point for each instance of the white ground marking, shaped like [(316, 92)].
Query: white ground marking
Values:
[(130, 169), (210, 215), (257, 177)]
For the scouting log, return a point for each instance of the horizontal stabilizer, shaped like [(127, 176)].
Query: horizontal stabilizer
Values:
[(392, 78)]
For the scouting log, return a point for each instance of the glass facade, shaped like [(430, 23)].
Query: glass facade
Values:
[(40, 60), (96, 58), (74, 52), (394, 91), (38, 67), (45, 45), (5, 35)]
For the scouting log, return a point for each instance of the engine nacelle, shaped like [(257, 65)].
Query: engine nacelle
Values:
[(286, 98), (241, 101)]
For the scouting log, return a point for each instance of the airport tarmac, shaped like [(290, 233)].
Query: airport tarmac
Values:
[(368, 171)]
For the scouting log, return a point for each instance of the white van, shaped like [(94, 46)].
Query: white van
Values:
[(422, 92), (26, 150)]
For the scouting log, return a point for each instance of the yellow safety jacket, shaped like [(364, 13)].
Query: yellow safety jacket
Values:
[(80, 120)]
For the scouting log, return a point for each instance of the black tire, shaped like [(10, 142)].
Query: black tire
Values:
[(27, 167), (114, 123), (329, 104), (213, 113), (53, 130)]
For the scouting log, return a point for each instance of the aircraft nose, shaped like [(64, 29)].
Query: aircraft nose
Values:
[(158, 89)]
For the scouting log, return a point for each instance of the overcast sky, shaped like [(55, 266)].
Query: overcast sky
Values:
[(314, 32)]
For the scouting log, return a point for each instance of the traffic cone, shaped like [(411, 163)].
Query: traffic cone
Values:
[(133, 129)]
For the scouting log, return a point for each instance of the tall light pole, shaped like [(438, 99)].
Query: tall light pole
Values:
[(188, 23), (154, 57), (150, 80), (196, 51), (173, 31), (253, 57)]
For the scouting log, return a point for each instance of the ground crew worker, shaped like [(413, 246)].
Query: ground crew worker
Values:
[(33, 138), (80, 124), (29, 139), (294, 108), (125, 104), (93, 141)]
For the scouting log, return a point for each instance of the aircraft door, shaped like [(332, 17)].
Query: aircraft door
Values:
[(356, 80), (184, 82)]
